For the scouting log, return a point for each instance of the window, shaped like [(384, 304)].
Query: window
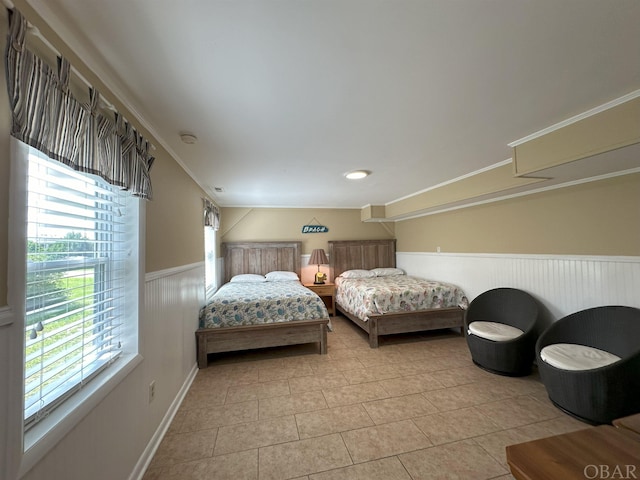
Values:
[(211, 226), (80, 296), (210, 266)]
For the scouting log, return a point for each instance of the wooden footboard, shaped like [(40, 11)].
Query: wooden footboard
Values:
[(407, 322), (230, 339)]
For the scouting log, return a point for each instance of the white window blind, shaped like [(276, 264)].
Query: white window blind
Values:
[(75, 288)]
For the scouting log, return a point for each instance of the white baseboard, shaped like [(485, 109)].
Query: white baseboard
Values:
[(156, 439)]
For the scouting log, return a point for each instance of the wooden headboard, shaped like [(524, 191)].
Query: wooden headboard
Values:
[(361, 254), (261, 257)]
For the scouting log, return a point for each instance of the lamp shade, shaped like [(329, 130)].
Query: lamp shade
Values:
[(318, 257)]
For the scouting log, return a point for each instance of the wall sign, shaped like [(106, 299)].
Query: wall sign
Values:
[(314, 229)]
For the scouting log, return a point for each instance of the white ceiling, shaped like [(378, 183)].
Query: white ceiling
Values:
[(286, 96)]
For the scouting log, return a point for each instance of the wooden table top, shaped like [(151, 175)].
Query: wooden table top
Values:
[(576, 455), (632, 422)]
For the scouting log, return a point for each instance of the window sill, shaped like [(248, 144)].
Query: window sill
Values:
[(41, 438)]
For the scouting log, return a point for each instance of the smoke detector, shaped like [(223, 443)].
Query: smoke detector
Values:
[(188, 138)]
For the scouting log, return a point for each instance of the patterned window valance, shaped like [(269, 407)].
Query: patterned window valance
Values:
[(211, 215), (48, 117)]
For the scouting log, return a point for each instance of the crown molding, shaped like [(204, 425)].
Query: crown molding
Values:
[(524, 193), (577, 118), (453, 180)]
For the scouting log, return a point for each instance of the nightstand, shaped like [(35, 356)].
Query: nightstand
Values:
[(327, 292)]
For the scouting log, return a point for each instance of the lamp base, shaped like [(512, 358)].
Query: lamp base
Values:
[(320, 278)]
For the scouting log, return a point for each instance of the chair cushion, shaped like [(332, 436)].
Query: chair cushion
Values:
[(498, 332), (570, 356)]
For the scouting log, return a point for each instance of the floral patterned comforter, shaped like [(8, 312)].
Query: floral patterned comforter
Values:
[(395, 293), (236, 304)]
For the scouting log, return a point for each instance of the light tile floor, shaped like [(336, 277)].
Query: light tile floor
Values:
[(415, 408)]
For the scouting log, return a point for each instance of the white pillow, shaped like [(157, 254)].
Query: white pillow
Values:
[(385, 272), (278, 276), (248, 278), (358, 274)]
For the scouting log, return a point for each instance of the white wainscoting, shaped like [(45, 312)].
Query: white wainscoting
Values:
[(173, 298), (563, 284)]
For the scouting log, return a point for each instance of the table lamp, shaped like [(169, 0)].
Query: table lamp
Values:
[(318, 257)]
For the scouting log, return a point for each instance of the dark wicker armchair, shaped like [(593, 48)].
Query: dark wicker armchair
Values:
[(598, 395), (508, 306)]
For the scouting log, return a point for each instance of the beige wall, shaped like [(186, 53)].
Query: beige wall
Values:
[(597, 218), (263, 224), (175, 222)]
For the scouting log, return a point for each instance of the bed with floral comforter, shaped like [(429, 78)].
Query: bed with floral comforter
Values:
[(372, 309), (271, 310), (364, 297), (238, 304)]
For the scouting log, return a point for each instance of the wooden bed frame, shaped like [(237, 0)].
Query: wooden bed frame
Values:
[(369, 254), (260, 258)]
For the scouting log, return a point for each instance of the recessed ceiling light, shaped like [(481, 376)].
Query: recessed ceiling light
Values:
[(357, 174)]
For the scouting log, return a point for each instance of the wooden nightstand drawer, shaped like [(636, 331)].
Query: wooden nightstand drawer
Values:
[(326, 291)]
